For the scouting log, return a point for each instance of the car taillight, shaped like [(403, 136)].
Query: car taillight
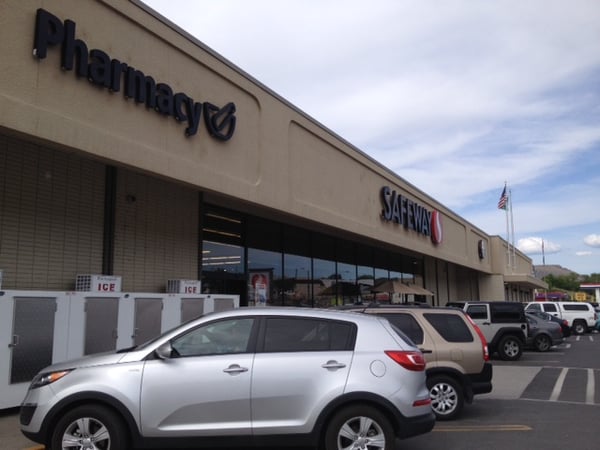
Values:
[(410, 360), (486, 352), (422, 402)]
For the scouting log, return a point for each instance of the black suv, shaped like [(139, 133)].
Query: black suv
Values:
[(503, 324)]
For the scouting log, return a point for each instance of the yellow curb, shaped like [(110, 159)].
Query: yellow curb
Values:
[(469, 428)]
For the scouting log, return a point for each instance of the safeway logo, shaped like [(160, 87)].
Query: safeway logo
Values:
[(410, 214), (436, 227)]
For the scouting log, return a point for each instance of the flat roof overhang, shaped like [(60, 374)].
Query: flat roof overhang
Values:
[(527, 281)]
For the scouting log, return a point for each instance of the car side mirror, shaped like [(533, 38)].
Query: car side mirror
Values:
[(164, 351)]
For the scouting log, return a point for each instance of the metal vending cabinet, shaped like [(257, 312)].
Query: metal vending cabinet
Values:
[(148, 319), (191, 308), (32, 338), (39, 328), (101, 318)]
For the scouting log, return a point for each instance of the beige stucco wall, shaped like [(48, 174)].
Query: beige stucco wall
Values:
[(278, 160)]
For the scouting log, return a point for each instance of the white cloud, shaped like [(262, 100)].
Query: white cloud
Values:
[(593, 240), (585, 253), (533, 246), (456, 97)]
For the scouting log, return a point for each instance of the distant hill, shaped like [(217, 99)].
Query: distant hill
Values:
[(551, 269)]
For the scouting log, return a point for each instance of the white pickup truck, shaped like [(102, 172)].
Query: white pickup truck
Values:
[(580, 315)]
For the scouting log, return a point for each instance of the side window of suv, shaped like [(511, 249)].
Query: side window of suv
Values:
[(550, 307), (294, 334), (477, 311), (534, 307), (451, 327), (407, 324), (507, 312), (216, 338)]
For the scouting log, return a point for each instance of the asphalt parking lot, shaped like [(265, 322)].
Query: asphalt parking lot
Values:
[(545, 400), (505, 387)]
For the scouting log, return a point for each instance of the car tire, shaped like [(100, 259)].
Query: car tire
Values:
[(359, 426), (447, 397), (542, 343), (579, 327), (510, 348), (89, 426)]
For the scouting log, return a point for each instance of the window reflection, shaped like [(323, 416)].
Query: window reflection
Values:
[(297, 282), (264, 277), (222, 268), (291, 266)]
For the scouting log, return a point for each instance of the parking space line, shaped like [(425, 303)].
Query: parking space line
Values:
[(591, 387), (559, 384), (470, 428)]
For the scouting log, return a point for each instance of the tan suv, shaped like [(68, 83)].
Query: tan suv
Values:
[(456, 352)]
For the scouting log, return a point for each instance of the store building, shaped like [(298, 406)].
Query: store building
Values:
[(129, 148)]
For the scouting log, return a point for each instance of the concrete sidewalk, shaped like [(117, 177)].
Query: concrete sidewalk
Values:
[(11, 437)]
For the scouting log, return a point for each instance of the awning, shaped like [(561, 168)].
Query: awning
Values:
[(420, 290), (526, 281), (396, 286)]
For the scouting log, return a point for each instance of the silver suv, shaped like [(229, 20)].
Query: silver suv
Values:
[(251, 376)]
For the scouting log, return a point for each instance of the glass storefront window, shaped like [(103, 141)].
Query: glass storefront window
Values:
[(223, 268), (324, 275), (291, 266), (347, 291), (264, 277), (297, 282)]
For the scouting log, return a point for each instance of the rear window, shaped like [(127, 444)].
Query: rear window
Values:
[(575, 307), (295, 334), (408, 325), (451, 327)]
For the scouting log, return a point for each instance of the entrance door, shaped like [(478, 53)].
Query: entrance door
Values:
[(33, 337)]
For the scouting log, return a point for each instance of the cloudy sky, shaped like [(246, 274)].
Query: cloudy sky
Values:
[(455, 96)]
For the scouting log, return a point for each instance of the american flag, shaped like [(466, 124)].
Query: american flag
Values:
[(503, 199)]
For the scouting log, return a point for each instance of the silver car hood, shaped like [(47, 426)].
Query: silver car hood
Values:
[(98, 359)]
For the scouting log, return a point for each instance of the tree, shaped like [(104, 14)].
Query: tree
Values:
[(593, 278), (565, 282)]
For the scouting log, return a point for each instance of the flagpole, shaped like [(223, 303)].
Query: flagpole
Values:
[(543, 254), (504, 203), (507, 234), (512, 226)]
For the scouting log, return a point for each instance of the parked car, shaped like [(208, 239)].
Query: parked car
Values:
[(564, 324), (455, 350), (503, 324), (543, 334), (580, 315), (250, 376)]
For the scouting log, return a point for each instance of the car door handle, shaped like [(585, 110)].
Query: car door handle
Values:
[(14, 341), (423, 350), (333, 365), (235, 368)]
